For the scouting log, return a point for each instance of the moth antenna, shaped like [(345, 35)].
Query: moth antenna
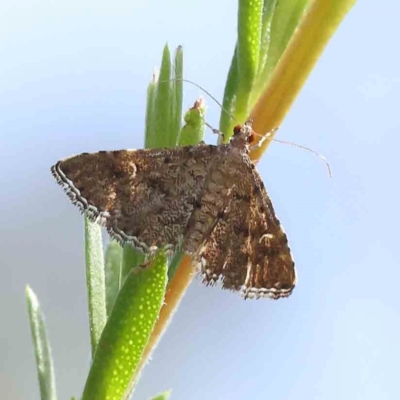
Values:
[(310, 150), (203, 90), (263, 137)]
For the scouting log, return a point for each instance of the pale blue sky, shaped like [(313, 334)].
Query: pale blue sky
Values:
[(73, 78)]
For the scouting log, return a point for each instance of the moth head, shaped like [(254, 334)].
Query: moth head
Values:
[(243, 135)]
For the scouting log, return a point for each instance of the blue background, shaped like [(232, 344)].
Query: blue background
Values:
[(73, 78)]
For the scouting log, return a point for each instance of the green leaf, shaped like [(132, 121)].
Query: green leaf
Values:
[(229, 101), (95, 281), (41, 345), (163, 396), (177, 92), (285, 21), (248, 51), (264, 30), (164, 103), (163, 106), (131, 258), (113, 265), (127, 331), (281, 22), (150, 118), (265, 39)]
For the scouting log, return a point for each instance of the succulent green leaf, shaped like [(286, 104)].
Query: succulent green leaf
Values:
[(229, 102), (150, 111), (44, 361), (177, 92), (249, 33), (264, 30), (131, 258), (265, 39), (248, 50), (127, 331), (163, 396), (283, 21), (163, 105), (95, 281), (113, 265)]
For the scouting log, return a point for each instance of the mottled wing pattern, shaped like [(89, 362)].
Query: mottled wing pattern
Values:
[(131, 192), (248, 249), (213, 197)]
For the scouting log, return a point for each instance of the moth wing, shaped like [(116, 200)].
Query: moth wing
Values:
[(143, 197), (248, 249)]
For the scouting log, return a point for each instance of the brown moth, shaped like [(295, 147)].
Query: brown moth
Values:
[(209, 201)]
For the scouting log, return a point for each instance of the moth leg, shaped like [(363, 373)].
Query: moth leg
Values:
[(215, 131), (263, 139)]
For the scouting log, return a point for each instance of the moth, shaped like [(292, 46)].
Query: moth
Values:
[(208, 201)]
